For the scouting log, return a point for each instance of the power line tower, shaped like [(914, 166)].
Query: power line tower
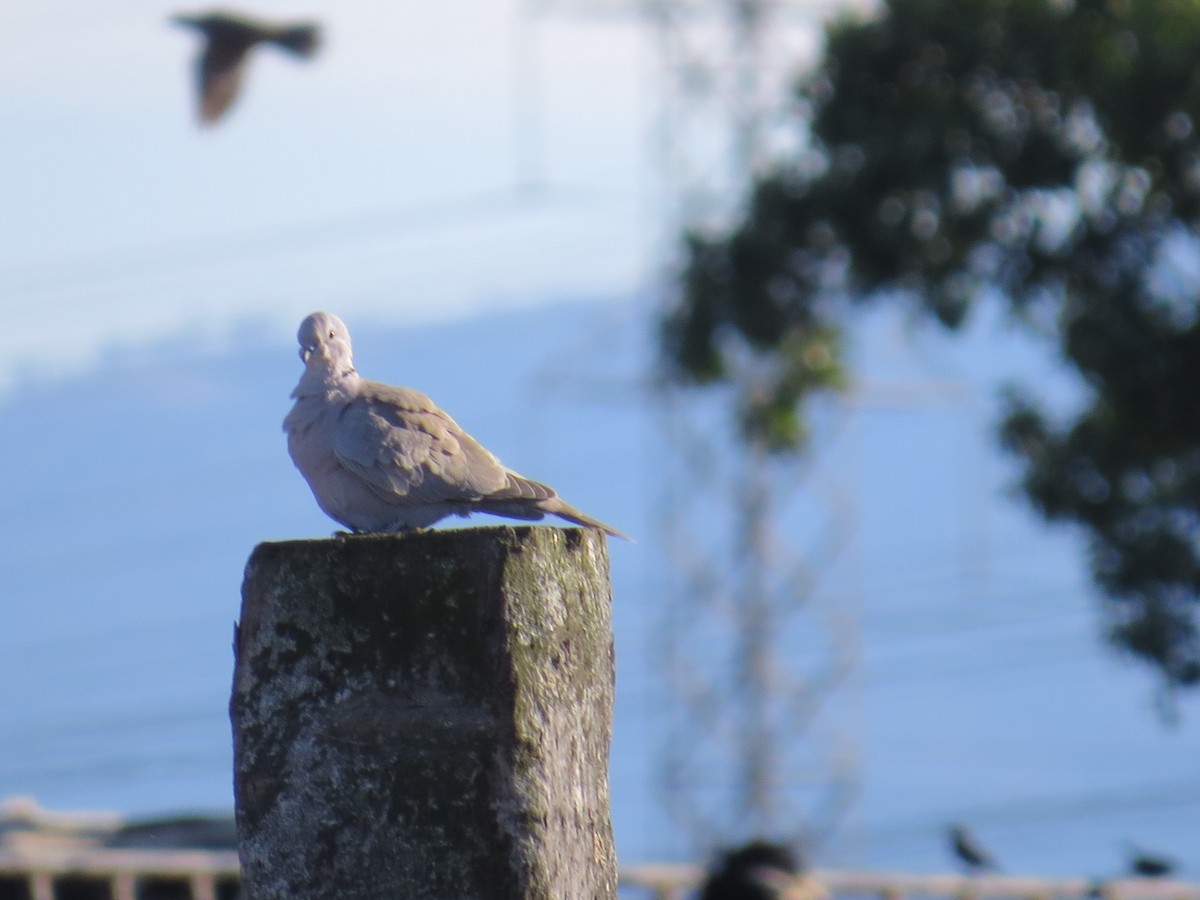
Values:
[(755, 640)]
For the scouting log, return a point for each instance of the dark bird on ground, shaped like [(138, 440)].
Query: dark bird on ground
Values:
[(969, 851), (1149, 865), (760, 870), (229, 38)]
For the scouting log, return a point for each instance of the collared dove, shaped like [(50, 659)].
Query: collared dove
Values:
[(381, 458), (228, 40)]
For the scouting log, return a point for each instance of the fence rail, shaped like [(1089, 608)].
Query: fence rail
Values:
[(109, 874), (674, 882)]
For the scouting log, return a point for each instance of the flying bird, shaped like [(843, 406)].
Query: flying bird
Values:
[(969, 851), (385, 459), (229, 37)]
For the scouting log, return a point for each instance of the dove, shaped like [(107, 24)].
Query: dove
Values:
[(228, 40), (385, 459)]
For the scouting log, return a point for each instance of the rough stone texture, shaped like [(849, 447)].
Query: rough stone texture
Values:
[(426, 716)]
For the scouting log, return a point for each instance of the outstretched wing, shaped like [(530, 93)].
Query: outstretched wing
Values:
[(220, 77), (410, 452)]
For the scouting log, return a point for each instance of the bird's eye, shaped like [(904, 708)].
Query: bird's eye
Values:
[(332, 335)]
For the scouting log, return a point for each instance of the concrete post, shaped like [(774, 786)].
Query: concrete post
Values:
[(426, 716)]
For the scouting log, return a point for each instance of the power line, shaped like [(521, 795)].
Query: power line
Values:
[(1182, 793), (23, 282)]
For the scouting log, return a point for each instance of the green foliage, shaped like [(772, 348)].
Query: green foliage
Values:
[(1042, 150)]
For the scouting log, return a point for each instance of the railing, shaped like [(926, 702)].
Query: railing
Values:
[(674, 882), (107, 874)]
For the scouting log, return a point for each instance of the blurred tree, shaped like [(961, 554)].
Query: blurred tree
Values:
[(1041, 151)]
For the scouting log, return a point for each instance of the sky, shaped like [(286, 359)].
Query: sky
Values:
[(475, 191), (433, 160)]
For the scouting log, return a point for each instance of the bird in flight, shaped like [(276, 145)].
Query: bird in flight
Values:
[(384, 459), (228, 40)]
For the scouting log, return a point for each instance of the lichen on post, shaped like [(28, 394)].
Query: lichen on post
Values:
[(426, 716)]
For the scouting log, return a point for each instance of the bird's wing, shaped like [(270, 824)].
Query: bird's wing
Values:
[(404, 447), (220, 75)]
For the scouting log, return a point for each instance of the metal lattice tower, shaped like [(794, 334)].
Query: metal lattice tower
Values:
[(755, 641)]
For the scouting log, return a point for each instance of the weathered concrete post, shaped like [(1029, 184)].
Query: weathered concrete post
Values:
[(426, 716)]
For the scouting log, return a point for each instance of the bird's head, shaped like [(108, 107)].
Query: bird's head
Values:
[(325, 343), (187, 21)]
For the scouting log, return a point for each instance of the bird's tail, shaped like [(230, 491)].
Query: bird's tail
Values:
[(556, 506), (302, 39), (524, 498)]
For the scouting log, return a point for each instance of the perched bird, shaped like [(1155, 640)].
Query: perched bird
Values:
[(1147, 864), (228, 40), (381, 458), (969, 851)]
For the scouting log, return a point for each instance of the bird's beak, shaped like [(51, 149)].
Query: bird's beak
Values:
[(306, 354)]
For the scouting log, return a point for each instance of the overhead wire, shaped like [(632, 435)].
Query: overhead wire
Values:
[(23, 282), (530, 192), (1024, 812)]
